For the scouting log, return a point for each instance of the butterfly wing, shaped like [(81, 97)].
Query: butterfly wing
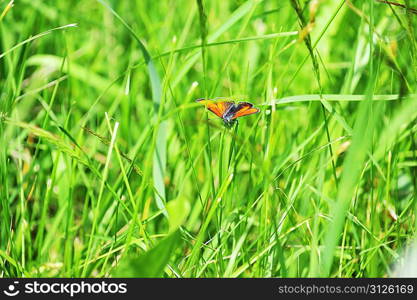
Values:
[(216, 107), (244, 109)]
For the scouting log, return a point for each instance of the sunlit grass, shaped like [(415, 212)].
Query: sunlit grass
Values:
[(110, 168)]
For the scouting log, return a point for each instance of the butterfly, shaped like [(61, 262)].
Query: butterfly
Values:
[(227, 110)]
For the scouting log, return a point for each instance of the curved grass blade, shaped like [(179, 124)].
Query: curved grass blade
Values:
[(35, 37), (159, 158), (332, 97)]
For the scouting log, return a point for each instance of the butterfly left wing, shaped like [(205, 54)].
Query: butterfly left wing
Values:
[(244, 109), (216, 107)]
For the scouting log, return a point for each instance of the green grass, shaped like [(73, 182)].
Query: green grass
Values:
[(108, 166)]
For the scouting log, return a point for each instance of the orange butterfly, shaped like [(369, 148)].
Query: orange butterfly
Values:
[(227, 110)]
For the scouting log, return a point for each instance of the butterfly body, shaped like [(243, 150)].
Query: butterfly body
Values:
[(229, 111)]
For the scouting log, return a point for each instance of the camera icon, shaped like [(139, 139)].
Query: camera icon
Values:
[(11, 289)]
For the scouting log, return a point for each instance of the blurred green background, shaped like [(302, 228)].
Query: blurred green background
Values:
[(108, 167)]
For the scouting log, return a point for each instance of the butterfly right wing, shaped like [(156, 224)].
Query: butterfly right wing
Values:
[(244, 109)]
